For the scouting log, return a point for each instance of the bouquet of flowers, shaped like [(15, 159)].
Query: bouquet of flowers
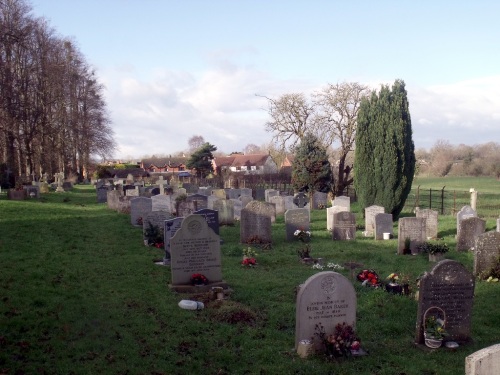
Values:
[(198, 279), (393, 278), (249, 262), (341, 342), (369, 277), (302, 235)]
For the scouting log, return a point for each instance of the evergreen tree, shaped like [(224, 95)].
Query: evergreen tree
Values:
[(311, 170), (385, 154), (201, 160)]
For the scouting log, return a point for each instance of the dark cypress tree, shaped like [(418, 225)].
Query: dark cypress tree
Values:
[(385, 154), (311, 170)]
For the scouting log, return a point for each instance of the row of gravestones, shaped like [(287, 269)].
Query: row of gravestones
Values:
[(328, 298)]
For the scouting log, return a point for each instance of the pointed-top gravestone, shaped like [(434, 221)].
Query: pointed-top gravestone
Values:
[(465, 212), (327, 298), (171, 226)]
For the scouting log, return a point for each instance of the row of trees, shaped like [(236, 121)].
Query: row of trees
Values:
[(53, 116)]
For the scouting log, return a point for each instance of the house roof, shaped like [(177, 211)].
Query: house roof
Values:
[(254, 159), (123, 173), (164, 162)]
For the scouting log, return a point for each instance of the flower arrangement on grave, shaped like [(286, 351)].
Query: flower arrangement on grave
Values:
[(154, 236), (434, 328), (393, 278), (249, 257), (393, 286), (139, 220), (342, 342), (198, 279), (369, 278), (302, 235), (249, 262)]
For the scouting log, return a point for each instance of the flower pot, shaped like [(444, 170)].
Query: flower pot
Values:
[(432, 342), (436, 257), (394, 288)]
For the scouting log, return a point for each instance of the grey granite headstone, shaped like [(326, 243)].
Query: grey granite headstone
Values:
[(320, 200), (431, 221), (201, 201), (344, 226), (464, 213), (486, 252), (246, 192), (170, 227), (255, 226), (139, 208), (468, 230), (296, 219), (260, 194), (102, 194), (328, 298), (195, 248), (263, 208), (370, 213), (450, 287), (233, 193), (330, 211), (190, 188), (342, 201), (412, 228), (211, 217), (383, 224)]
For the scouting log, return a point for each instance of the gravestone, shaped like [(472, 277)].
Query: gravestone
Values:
[(226, 211), (486, 252), (195, 248), (484, 362), (412, 228), (260, 194), (342, 201), (211, 199), (296, 219), (498, 225), (301, 200), (370, 213), (170, 228), (279, 204), (383, 224), (319, 200), (431, 222), (162, 203), (327, 298), (245, 199), (200, 200), (263, 208), (132, 192), (156, 219), (255, 226), (465, 213), (330, 211), (246, 192), (468, 230), (102, 194), (32, 191), (233, 193), (211, 217), (448, 286), (344, 226), (44, 187), (289, 205), (205, 190), (67, 186), (112, 199), (139, 208), (237, 206), (190, 188), (184, 208), (180, 191), (219, 193), (270, 193)]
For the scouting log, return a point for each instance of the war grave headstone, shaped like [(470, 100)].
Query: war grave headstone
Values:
[(219, 193), (195, 248), (211, 217), (484, 362), (464, 213), (184, 208), (226, 211), (486, 252), (211, 199), (431, 221), (412, 228), (157, 221), (450, 287), (200, 201), (468, 231), (342, 201), (370, 213), (296, 219), (330, 211), (139, 208), (344, 226), (255, 226), (383, 224), (301, 200), (279, 204), (170, 227), (320, 200), (270, 193), (162, 203), (260, 194), (102, 194), (328, 298), (245, 199)]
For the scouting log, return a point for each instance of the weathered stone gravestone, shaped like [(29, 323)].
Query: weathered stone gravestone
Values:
[(219, 193), (330, 211), (190, 188), (200, 201), (263, 208), (32, 191), (370, 213), (155, 220), (301, 200), (296, 219), (412, 228), (233, 193), (67, 186), (270, 193), (327, 298), (342, 201), (431, 221), (132, 192), (484, 362), (246, 192), (498, 225), (344, 226), (184, 208), (162, 203), (237, 206), (226, 211), (139, 208), (469, 229), (245, 199), (319, 200), (205, 190), (383, 224), (279, 204), (486, 252), (195, 248), (211, 217), (260, 194), (211, 199), (448, 286), (102, 194), (170, 228), (255, 226), (465, 212)]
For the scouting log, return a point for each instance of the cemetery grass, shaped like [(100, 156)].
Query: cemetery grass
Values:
[(81, 295)]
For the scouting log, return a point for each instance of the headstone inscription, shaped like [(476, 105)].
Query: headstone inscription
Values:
[(370, 213), (431, 221), (412, 228), (139, 208), (170, 228), (383, 224), (255, 226), (468, 231), (486, 252), (327, 298), (296, 219), (344, 226), (195, 248), (450, 287)]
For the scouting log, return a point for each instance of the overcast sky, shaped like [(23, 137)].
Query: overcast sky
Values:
[(174, 69)]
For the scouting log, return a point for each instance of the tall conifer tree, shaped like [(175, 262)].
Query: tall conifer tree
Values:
[(385, 154)]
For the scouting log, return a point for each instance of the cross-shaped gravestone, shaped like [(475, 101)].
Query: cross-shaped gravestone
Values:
[(162, 184), (300, 200)]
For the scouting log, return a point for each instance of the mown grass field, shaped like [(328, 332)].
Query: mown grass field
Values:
[(81, 295)]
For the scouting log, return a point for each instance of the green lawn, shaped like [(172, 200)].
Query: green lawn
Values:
[(81, 295)]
